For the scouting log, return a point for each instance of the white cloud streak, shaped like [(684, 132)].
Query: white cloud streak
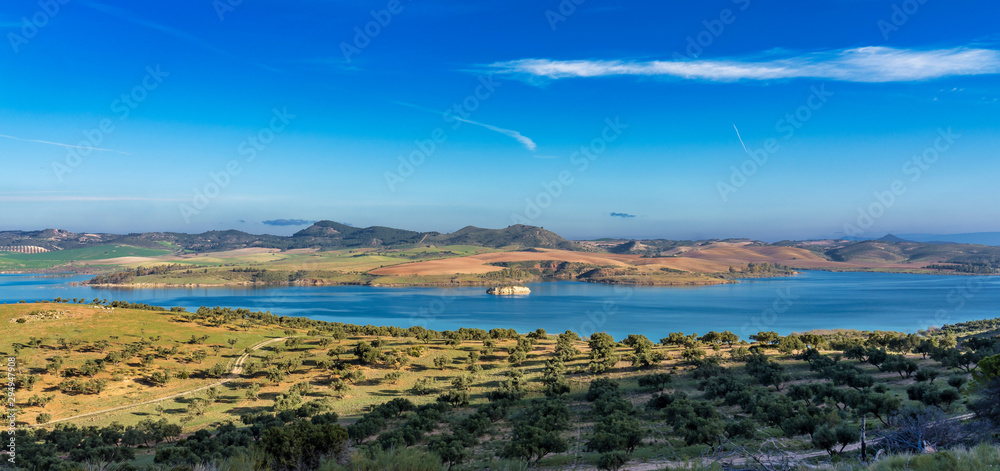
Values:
[(182, 35), (740, 138), (81, 199), (524, 140), (865, 64), (71, 146)]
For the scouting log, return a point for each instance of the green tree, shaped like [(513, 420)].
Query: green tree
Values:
[(393, 376), (828, 437), (766, 338), (618, 431), (303, 445), (517, 356), (692, 355), (565, 349), (253, 391), (987, 370), (656, 382), (451, 450), (421, 387), (462, 383), (790, 344), (602, 352), (612, 461), (531, 443)]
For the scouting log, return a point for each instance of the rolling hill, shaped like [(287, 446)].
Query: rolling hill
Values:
[(914, 252), (326, 235)]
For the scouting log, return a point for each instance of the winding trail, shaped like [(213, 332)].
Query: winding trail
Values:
[(234, 373)]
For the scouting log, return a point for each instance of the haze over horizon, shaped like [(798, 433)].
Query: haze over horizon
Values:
[(714, 119)]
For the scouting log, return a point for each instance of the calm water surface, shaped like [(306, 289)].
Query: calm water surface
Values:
[(812, 300)]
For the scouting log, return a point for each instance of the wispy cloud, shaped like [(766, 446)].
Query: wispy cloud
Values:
[(182, 35), (622, 215), (524, 140), (865, 64), (331, 63), (78, 198), (62, 145), (288, 222)]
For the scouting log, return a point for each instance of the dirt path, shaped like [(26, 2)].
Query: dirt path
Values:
[(234, 373)]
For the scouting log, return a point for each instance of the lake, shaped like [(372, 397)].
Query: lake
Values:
[(812, 300)]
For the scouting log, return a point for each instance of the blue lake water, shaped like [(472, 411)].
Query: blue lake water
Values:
[(812, 300)]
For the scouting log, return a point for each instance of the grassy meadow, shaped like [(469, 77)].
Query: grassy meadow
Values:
[(198, 351), (13, 261)]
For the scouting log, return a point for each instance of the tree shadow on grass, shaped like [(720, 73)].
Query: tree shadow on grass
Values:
[(387, 393), (238, 411)]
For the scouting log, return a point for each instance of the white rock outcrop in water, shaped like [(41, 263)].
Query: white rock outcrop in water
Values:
[(508, 290)]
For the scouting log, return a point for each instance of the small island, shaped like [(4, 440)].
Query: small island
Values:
[(508, 290)]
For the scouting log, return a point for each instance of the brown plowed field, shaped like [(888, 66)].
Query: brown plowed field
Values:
[(708, 260)]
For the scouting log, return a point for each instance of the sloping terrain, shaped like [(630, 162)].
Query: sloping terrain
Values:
[(516, 235), (899, 252), (327, 235), (715, 259)]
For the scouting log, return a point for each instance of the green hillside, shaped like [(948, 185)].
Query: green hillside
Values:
[(16, 261), (516, 235), (325, 235), (895, 251), (147, 388)]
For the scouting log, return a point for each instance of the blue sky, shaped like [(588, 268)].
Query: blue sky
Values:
[(199, 115)]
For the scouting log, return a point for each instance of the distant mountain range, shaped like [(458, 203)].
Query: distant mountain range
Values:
[(323, 235), (982, 238), (330, 235), (898, 249)]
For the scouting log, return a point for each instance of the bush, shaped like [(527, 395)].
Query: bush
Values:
[(656, 382), (612, 461), (600, 387), (455, 398), (395, 459)]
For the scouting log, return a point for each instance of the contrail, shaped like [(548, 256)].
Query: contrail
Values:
[(63, 145), (524, 140), (740, 138), (182, 35)]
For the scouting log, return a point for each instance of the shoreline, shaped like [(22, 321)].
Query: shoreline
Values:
[(706, 280), (456, 284)]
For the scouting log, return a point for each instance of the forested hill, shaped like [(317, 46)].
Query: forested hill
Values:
[(323, 235)]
